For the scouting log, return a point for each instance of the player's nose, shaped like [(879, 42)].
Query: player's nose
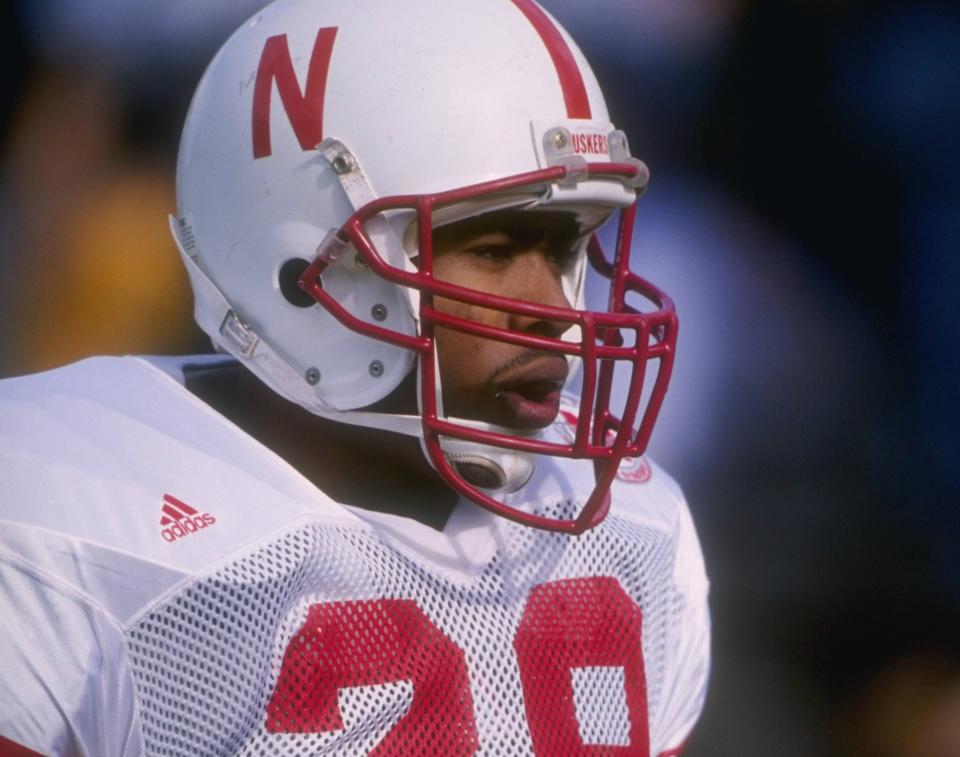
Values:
[(536, 279)]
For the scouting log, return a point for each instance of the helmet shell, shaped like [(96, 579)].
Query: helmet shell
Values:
[(428, 96)]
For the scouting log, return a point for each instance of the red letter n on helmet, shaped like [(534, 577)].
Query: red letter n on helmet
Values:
[(303, 108)]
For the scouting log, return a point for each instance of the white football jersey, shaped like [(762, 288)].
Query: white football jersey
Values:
[(170, 586)]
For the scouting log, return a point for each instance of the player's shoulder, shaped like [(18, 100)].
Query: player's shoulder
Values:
[(100, 383), (87, 401), (116, 452), (103, 403), (643, 489)]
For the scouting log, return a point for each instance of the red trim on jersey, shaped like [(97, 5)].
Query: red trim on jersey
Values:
[(10, 748), (571, 81)]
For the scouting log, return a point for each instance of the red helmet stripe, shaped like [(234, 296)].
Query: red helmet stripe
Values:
[(571, 80)]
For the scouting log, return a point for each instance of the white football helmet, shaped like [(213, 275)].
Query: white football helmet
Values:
[(327, 137)]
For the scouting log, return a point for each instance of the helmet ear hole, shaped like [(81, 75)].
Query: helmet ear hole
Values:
[(287, 278)]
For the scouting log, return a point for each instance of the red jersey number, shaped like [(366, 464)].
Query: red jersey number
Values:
[(568, 624), (346, 644), (579, 623)]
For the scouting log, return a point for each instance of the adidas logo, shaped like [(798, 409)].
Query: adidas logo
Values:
[(179, 519)]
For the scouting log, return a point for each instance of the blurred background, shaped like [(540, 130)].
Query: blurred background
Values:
[(805, 215)]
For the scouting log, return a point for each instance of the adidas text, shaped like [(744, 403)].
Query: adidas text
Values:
[(187, 526)]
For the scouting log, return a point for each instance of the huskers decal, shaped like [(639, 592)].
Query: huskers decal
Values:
[(304, 107), (591, 144)]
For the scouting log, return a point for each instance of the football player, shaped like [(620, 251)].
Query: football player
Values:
[(375, 523)]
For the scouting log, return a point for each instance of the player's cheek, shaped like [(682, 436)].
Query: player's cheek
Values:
[(465, 360)]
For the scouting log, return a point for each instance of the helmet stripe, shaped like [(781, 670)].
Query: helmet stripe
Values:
[(571, 80)]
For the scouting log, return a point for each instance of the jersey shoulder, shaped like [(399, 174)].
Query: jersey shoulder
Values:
[(112, 462)]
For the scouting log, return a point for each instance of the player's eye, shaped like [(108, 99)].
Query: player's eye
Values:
[(494, 252)]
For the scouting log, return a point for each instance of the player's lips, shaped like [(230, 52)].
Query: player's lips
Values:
[(531, 394)]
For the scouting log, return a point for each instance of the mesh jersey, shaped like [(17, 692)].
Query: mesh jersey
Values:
[(170, 586)]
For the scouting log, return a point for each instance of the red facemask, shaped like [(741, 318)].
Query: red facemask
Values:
[(621, 335)]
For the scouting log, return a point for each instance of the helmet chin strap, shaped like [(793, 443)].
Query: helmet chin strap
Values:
[(482, 465), (493, 469), (486, 467)]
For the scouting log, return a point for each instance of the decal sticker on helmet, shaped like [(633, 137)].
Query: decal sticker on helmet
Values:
[(304, 108)]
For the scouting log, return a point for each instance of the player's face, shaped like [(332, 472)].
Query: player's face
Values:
[(512, 254)]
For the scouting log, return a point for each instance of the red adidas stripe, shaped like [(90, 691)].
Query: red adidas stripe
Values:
[(174, 510), (182, 506), (170, 515)]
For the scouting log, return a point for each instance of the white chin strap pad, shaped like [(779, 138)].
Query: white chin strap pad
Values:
[(498, 471), (487, 467)]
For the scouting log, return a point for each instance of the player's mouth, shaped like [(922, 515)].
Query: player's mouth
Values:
[(531, 394)]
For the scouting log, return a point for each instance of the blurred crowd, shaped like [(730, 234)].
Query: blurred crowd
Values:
[(805, 215)]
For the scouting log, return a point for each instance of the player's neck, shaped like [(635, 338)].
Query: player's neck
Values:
[(362, 467)]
